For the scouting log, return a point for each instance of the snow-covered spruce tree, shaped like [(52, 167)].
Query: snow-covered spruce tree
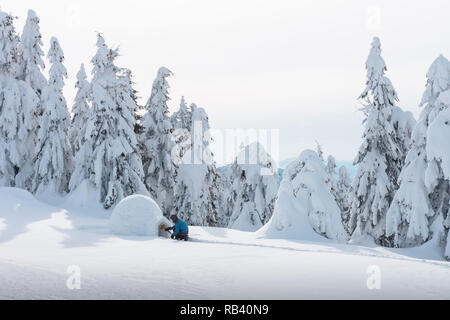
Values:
[(182, 126), (157, 142), (342, 188), (109, 158), (380, 157), (31, 71), (31, 54), (319, 151), (53, 160), (80, 111), (330, 168), (305, 205), (420, 206), (254, 187), (197, 187), (126, 77), (182, 118), (17, 104), (227, 197)]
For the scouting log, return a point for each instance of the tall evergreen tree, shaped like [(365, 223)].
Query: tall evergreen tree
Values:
[(109, 158), (17, 104), (31, 54), (420, 206), (197, 187), (80, 110), (126, 78), (157, 141), (380, 157), (53, 157), (182, 125)]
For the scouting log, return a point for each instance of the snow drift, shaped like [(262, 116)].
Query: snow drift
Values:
[(305, 208), (137, 215)]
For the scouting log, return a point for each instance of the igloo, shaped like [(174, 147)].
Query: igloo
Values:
[(138, 215)]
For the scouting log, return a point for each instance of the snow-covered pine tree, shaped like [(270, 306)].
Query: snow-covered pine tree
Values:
[(420, 205), (126, 77), (53, 156), (380, 157), (182, 118), (227, 197), (17, 105), (319, 151), (182, 124), (253, 190), (31, 52), (330, 168), (109, 158), (305, 206), (157, 142), (80, 111), (197, 187), (342, 188)]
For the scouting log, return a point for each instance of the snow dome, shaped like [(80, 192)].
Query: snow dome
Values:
[(138, 215)]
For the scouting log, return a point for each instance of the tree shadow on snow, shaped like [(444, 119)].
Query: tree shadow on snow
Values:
[(19, 210), (85, 231)]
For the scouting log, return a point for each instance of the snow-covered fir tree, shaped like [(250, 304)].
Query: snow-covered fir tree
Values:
[(31, 54), (17, 105), (157, 142), (343, 184), (380, 157), (126, 77), (182, 118), (254, 187), (53, 160), (197, 187), (305, 205), (226, 197), (319, 151), (419, 210), (182, 126), (109, 158), (330, 168), (80, 111)]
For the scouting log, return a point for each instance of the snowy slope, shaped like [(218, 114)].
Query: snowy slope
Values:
[(38, 242)]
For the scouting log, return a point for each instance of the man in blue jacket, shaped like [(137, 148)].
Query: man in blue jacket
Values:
[(180, 229)]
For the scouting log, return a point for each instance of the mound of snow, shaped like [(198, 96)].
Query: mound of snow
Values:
[(305, 208), (13, 200), (137, 215), (84, 196)]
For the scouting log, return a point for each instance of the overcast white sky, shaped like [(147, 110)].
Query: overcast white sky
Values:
[(297, 66)]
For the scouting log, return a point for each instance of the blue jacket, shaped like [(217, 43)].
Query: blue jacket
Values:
[(180, 226)]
